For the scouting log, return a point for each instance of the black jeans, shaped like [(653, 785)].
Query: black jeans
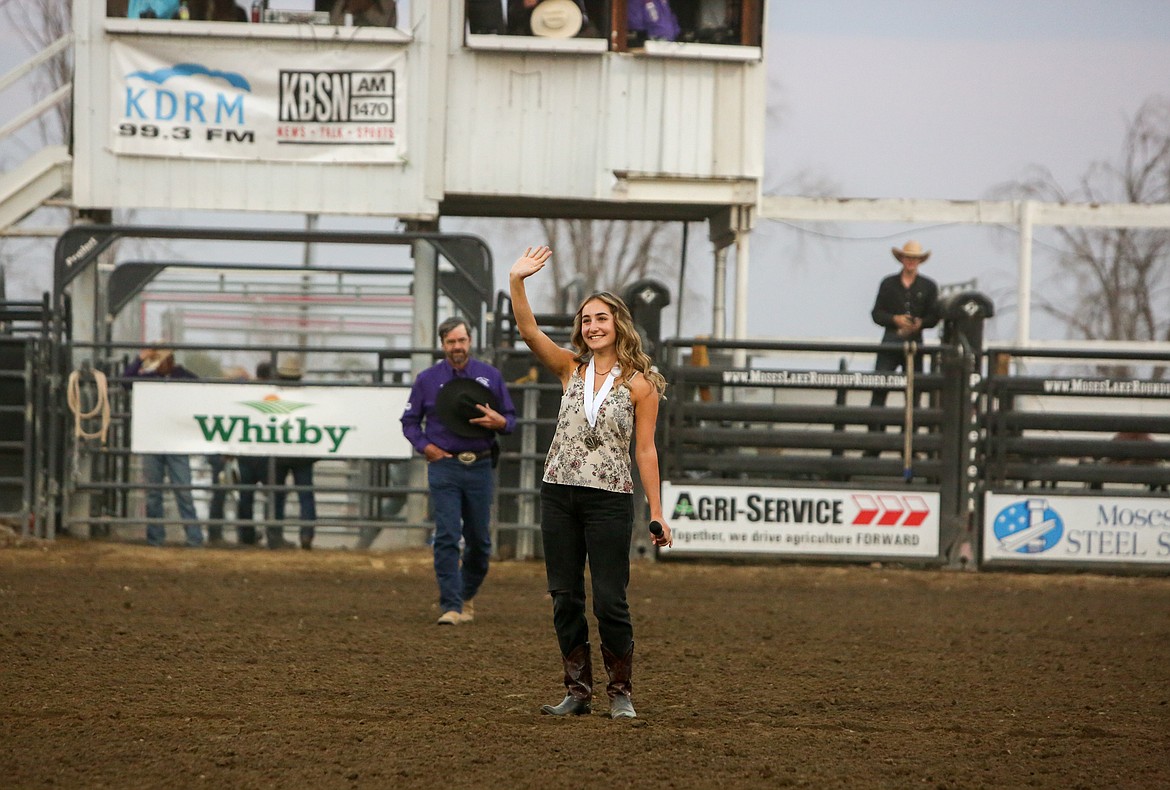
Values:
[(580, 524), (888, 362), (301, 470), (216, 463), (253, 470)]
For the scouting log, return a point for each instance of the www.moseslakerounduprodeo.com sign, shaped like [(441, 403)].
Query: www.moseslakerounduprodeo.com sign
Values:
[(264, 419), (808, 521)]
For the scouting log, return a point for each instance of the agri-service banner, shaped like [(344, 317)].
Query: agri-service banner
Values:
[(1050, 529), (263, 419), (709, 519), (264, 102)]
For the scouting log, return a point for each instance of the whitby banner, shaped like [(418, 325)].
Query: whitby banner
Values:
[(266, 102), (706, 519), (265, 419)]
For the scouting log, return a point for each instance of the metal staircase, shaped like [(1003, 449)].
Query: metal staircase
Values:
[(44, 178)]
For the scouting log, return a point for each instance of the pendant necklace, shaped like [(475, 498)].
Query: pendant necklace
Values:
[(593, 401)]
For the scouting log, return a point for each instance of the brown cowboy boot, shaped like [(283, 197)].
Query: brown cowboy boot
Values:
[(578, 683), (620, 686)]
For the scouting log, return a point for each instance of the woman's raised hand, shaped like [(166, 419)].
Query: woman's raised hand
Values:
[(532, 261)]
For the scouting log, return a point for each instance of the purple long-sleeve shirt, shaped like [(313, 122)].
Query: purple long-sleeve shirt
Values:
[(421, 427)]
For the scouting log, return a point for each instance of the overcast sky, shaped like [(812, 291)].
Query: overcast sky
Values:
[(936, 99), (918, 99)]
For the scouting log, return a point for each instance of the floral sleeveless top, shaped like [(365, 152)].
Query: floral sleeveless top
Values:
[(597, 457)]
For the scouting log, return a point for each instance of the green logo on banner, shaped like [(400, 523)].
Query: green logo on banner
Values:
[(243, 430)]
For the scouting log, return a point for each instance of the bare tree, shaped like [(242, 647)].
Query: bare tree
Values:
[(40, 23), (608, 255), (1114, 283)]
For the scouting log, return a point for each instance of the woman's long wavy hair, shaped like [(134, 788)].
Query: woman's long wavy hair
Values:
[(629, 343)]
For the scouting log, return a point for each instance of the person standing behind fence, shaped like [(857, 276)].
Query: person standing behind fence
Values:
[(157, 364), (253, 471), (906, 303), (225, 471), (460, 449), (610, 396), (290, 370)]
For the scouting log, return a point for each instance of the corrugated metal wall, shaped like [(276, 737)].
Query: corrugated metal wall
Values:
[(559, 126)]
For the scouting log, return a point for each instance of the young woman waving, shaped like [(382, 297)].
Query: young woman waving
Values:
[(610, 397)]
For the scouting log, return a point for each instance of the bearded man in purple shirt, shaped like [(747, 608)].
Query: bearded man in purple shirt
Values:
[(459, 454)]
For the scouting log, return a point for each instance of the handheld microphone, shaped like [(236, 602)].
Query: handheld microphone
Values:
[(656, 529)]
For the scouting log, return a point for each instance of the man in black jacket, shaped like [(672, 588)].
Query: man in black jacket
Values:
[(907, 303)]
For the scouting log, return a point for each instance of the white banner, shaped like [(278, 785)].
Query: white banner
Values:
[(264, 419), (1024, 528), (265, 102), (734, 519)]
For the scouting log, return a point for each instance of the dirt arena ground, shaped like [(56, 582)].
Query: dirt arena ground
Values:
[(125, 667)]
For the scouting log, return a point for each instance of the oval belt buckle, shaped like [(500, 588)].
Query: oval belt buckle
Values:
[(466, 457)]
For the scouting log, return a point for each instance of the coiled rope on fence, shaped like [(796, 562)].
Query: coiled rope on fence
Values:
[(101, 409)]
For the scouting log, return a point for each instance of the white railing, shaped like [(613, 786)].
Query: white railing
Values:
[(45, 173), (48, 102)]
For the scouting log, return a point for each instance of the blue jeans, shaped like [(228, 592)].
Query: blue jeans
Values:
[(579, 525), (178, 468), (461, 503), (302, 474)]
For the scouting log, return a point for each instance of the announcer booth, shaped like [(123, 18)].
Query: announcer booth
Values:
[(424, 119)]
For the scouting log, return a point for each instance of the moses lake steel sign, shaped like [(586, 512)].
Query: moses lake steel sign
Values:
[(1042, 527), (265, 419)]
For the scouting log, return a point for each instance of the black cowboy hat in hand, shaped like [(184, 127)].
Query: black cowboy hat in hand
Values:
[(456, 404)]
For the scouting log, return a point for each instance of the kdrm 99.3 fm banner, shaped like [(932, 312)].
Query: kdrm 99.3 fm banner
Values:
[(265, 102)]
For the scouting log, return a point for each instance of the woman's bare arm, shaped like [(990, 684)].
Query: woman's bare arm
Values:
[(558, 360)]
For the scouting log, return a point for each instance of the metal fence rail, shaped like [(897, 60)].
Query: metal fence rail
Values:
[(1078, 431)]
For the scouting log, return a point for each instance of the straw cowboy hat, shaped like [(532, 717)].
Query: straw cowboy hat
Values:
[(456, 404), (912, 249), (290, 368), (556, 19)]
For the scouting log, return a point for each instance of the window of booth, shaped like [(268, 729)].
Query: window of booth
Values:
[(706, 29), (336, 13)]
